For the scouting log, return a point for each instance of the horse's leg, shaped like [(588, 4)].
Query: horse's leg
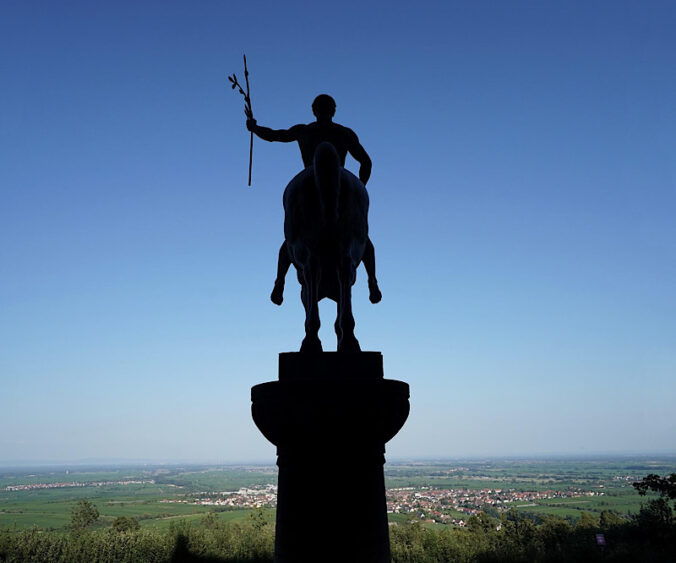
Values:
[(336, 325), (369, 261), (311, 277), (283, 264), (346, 275)]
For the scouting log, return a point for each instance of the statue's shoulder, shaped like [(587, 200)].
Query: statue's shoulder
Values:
[(344, 130), (350, 136)]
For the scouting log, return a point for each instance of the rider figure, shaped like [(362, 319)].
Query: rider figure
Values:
[(308, 138)]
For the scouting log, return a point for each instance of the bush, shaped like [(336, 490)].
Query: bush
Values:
[(125, 524)]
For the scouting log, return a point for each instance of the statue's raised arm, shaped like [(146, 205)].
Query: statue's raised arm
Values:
[(274, 135)]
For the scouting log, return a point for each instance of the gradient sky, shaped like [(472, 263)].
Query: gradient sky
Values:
[(522, 208)]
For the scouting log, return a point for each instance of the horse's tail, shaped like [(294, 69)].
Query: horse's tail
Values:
[(327, 179)]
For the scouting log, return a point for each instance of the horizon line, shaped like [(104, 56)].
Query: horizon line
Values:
[(136, 462)]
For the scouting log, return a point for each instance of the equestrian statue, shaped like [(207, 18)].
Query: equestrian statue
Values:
[(326, 222)]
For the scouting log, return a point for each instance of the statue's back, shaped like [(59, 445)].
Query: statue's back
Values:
[(313, 134)]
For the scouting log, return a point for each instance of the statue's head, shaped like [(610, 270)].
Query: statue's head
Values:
[(324, 107)]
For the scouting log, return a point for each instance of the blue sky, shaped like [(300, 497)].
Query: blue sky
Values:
[(522, 209)]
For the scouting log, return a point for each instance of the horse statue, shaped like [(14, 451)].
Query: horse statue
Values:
[(326, 229)]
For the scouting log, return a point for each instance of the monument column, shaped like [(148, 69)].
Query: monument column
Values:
[(330, 416)]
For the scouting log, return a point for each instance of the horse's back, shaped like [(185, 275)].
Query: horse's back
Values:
[(301, 202), (300, 186), (303, 182)]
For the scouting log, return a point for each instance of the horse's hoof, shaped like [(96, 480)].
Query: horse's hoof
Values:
[(311, 345), (374, 292), (349, 345), (277, 295)]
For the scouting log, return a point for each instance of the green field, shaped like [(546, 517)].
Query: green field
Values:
[(50, 509), (55, 515)]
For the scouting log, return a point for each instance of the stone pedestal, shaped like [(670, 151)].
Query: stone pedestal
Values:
[(330, 416)]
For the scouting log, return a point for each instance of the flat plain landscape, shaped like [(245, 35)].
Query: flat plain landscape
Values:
[(437, 493)]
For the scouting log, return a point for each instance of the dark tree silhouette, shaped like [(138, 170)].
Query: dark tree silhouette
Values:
[(665, 486)]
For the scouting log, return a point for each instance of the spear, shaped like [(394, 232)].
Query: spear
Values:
[(247, 107), (250, 113)]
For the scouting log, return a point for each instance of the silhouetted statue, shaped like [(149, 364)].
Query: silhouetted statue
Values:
[(326, 223)]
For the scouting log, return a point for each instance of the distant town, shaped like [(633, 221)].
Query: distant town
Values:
[(63, 485), (431, 504), (422, 503), (255, 497)]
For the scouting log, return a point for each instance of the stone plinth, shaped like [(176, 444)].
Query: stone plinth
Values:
[(330, 416)]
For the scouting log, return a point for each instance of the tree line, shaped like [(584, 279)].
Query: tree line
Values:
[(512, 536)]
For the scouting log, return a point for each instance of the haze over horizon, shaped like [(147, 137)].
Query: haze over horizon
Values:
[(522, 209), (271, 460)]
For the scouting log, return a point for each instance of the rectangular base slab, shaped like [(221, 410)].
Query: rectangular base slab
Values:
[(330, 365)]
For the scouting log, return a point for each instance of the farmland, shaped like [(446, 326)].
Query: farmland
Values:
[(444, 491)]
